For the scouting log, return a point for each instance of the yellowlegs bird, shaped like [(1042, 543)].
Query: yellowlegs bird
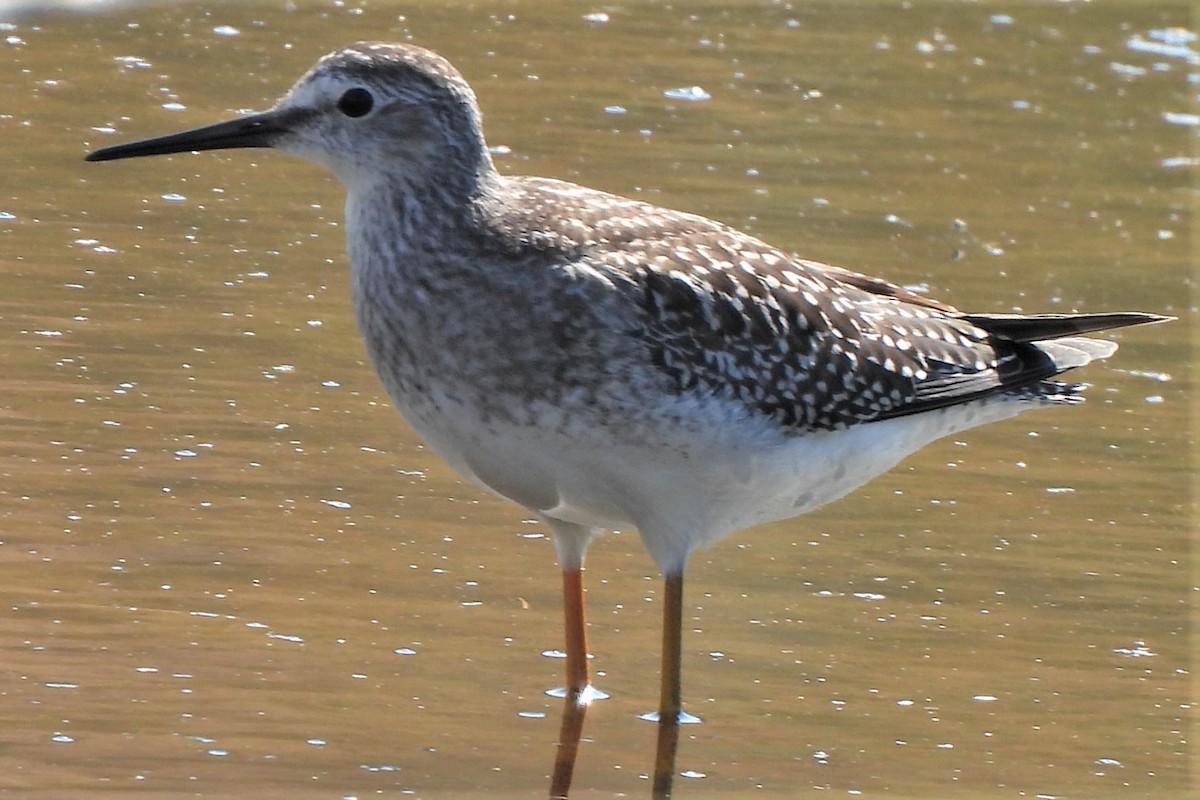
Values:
[(606, 363)]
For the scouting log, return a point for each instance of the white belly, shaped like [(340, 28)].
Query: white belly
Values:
[(682, 488)]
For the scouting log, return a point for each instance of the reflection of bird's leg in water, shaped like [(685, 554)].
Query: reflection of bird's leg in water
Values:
[(574, 709)]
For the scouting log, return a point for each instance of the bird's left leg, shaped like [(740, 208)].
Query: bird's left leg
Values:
[(571, 542)]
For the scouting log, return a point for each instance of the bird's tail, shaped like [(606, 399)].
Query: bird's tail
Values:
[(1041, 327), (1073, 352), (1056, 335)]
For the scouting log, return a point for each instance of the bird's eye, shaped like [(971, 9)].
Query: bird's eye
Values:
[(356, 102)]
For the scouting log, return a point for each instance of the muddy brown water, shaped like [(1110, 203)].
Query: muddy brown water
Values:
[(229, 570)]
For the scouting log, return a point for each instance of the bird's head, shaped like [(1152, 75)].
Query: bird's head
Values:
[(367, 112)]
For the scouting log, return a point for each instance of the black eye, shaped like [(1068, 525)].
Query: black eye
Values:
[(356, 102)]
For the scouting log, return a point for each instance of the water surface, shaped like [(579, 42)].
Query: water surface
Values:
[(230, 570)]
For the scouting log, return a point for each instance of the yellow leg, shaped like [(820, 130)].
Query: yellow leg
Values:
[(575, 702), (670, 703), (575, 630)]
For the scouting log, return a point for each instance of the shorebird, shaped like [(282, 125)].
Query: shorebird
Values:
[(607, 363)]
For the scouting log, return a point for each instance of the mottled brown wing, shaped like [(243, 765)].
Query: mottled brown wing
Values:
[(793, 340)]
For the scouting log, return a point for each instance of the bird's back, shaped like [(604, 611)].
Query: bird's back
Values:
[(811, 345)]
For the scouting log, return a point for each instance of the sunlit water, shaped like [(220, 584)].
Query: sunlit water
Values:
[(229, 569)]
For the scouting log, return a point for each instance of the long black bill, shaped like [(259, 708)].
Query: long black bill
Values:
[(256, 130)]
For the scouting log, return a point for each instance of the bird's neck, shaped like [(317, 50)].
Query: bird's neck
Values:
[(408, 212), (409, 243), (415, 270)]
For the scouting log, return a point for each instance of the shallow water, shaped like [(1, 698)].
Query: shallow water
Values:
[(231, 571)]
